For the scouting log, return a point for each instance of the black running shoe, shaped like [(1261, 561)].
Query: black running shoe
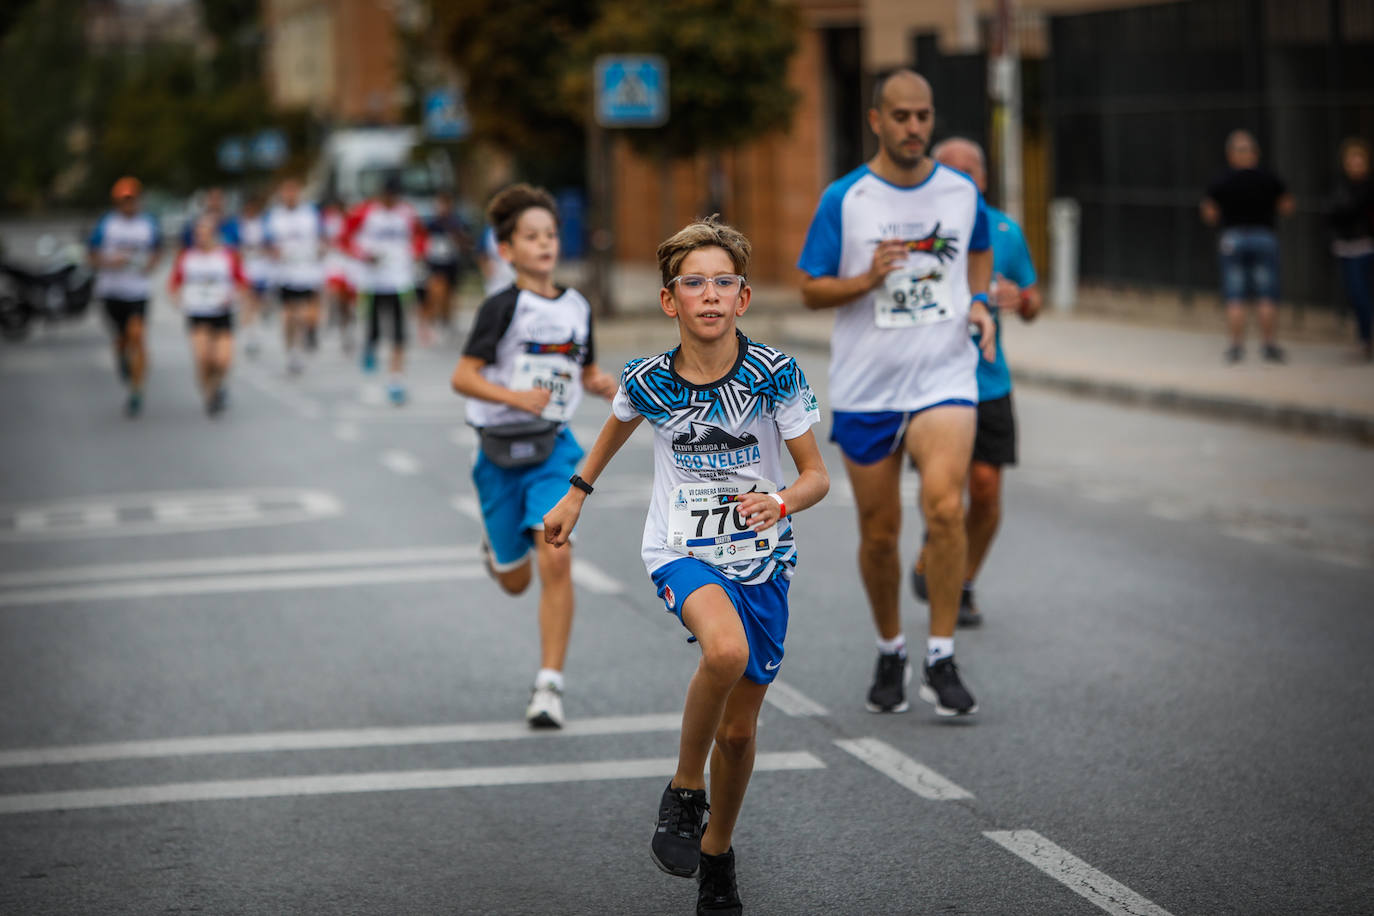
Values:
[(717, 892), (676, 847), (941, 686), (918, 584), (969, 615), (1235, 353), (1274, 354), (888, 693)]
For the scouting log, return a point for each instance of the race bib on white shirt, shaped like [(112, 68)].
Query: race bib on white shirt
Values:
[(553, 373), (914, 296), (704, 522), (206, 292)]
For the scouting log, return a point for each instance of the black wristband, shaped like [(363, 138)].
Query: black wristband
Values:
[(577, 481)]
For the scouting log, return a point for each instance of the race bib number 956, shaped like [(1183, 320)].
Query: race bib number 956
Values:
[(913, 297)]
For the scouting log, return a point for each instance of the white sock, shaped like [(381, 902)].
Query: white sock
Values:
[(549, 677), (938, 647), (896, 644)]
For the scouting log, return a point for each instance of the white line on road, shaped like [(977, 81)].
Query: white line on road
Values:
[(346, 432), (220, 585), (593, 579), (347, 783), (306, 407), (400, 462), (892, 763), (333, 739), (1075, 874), (792, 701), (274, 562), (467, 505)]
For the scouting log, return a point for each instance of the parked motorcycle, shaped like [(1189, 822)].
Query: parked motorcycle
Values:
[(57, 288)]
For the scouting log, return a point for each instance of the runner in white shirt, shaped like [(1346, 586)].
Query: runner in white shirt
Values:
[(523, 371), (340, 272), (257, 267), (899, 248), (387, 236), (206, 283), (718, 540), (295, 234), (124, 249)]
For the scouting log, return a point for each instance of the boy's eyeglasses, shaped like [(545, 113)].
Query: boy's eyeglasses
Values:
[(695, 284)]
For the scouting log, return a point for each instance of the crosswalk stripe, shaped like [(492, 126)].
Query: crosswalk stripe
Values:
[(333, 739), (905, 771), (1078, 876), (349, 783)]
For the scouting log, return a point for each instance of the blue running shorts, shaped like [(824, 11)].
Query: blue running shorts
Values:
[(762, 609), (867, 437), (514, 501)]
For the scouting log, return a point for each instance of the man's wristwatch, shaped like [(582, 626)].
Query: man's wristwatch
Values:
[(577, 481)]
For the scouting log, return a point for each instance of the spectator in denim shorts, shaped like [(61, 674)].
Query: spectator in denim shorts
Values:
[(1245, 201)]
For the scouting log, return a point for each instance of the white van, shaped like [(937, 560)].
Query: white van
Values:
[(355, 161)]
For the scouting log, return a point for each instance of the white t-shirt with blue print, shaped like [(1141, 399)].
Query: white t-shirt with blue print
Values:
[(729, 433), (904, 346), (1012, 259)]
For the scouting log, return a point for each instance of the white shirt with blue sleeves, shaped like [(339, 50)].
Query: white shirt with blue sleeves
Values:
[(905, 345)]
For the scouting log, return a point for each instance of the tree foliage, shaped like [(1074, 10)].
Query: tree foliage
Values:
[(529, 68)]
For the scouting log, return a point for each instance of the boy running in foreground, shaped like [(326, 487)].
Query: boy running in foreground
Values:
[(718, 538)]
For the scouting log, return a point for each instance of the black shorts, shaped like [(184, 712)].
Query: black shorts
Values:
[(221, 324), (121, 310), (295, 295), (995, 442), (394, 304), (447, 270)]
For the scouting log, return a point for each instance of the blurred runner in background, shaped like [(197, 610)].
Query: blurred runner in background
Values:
[(295, 232), (206, 283), (124, 249)]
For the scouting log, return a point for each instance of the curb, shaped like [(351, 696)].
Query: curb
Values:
[(1335, 424), (1316, 421)]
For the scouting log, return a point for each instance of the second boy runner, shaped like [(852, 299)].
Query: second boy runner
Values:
[(523, 370)]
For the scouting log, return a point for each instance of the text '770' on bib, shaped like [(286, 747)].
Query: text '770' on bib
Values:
[(553, 373), (913, 296), (704, 522)]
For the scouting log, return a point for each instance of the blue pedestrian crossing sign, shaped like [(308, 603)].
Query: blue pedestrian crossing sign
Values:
[(631, 90), (446, 115), (269, 148)]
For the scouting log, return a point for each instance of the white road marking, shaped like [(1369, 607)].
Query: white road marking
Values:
[(275, 562), (594, 580), (294, 400), (792, 701), (221, 585), (467, 505), (128, 514), (346, 432), (1075, 874), (333, 739), (1172, 511), (349, 783), (400, 462), (892, 763)]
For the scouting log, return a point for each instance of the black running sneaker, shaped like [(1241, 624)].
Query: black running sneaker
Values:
[(940, 685), (918, 584), (1274, 354), (717, 892), (888, 693), (1235, 353), (969, 615), (676, 847)]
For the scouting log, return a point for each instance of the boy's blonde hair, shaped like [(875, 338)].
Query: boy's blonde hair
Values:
[(706, 233)]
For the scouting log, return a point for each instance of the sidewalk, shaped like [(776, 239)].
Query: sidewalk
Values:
[(1322, 389)]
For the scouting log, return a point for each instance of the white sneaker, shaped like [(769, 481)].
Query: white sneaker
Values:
[(546, 707)]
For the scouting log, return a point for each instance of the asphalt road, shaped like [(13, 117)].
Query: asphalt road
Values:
[(252, 665)]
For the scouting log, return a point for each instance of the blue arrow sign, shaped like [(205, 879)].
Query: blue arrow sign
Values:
[(631, 90), (446, 115)]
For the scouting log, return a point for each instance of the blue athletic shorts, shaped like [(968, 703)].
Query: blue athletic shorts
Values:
[(762, 609), (867, 437), (514, 501), (1249, 264)]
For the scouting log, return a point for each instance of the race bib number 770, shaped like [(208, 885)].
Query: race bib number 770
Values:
[(704, 521)]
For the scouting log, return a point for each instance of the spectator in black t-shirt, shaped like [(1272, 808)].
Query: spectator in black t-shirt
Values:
[(1244, 201), (1351, 216)]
